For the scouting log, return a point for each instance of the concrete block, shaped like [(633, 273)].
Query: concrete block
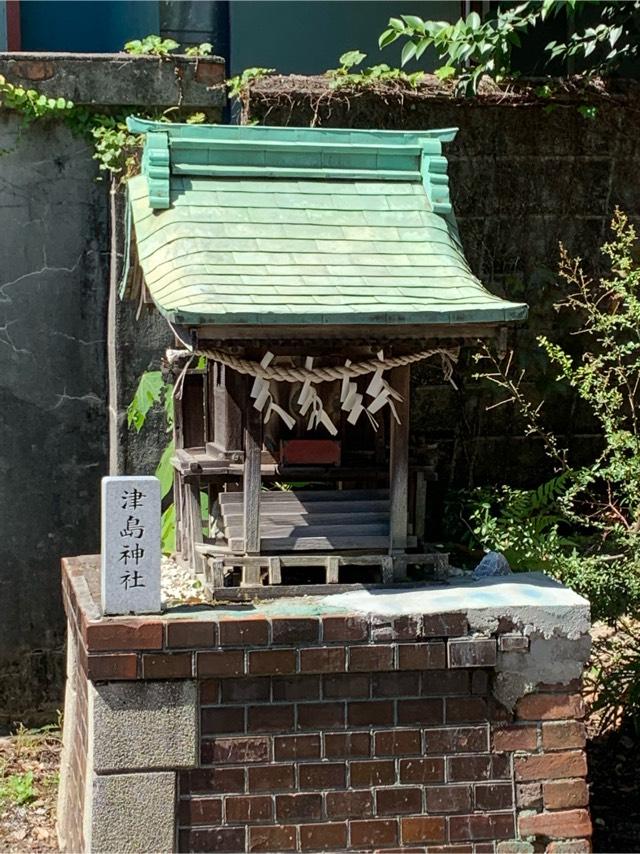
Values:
[(144, 725), (133, 812)]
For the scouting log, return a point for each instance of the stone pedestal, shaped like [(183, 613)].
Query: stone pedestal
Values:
[(439, 719)]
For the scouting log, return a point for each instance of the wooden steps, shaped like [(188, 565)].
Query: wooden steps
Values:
[(311, 520)]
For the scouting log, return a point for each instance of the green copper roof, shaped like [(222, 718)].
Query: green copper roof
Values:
[(248, 225)]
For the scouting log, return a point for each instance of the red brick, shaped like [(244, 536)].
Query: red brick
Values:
[(479, 681), (272, 661), (430, 770), (207, 780), (378, 773), (448, 799), (407, 628), (444, 625), (563, 735), (439, 682), (370, 713), (272, 718), (346, 686), (349, 804), (423, 829), (270, 839), (395, 684), (346, 744), (297, 747), (200, 811), (222, 719), (561, 825), (246, 690), (222, 663), (574, 846), (551, 766), (235, 750), (110, 635), (230, 839), (323, 659), (247, 809), (472, 652), (549, 707), (185, 634), (320, 715), (298, 807), (462, 739), (565, 794), (294, 630), (295, 688), (397, 742), (422, 656), (344, 629), (425, 711), (270, 778), (322, 775), (323, 837), (251, 632), (173, 666), (465, 710), (512, 738), (501, 766), (369, 658), (462, 768), (373, 833), (398, 800), (209, 691), (465, 828), (494, 796), (116, 667)]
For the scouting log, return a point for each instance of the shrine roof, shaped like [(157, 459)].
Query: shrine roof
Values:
[(254, 225)]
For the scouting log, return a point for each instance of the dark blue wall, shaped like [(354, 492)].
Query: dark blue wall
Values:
[(85, 26)]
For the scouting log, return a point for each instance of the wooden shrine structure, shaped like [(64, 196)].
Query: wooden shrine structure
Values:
[(303, 272)]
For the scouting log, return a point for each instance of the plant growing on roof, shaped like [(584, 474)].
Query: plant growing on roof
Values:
[(369, 77)]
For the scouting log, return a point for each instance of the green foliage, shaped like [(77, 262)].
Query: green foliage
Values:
[(369, 77), (203, 49), (151, 45), (150, 390), (18, 788), (153, 391), (31, 104), (239, 84), (472, 48), (523, 524), (598, 503)]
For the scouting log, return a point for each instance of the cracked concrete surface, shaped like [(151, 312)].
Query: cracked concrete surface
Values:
[(53, 280)]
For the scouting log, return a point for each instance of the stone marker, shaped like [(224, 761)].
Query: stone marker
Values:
[(130, 575)]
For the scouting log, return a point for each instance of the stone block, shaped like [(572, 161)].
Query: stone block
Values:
[(145, 725), (133, 812)]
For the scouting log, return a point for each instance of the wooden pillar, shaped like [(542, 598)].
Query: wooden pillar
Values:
[(252, 478), (228, 390), (399, 379)]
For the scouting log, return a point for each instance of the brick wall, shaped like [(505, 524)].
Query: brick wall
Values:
[(353, 732)]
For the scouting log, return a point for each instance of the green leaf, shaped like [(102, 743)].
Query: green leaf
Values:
[(408, 52), (164, 470), (445, 72), (148, 392), (473, 21), (351, 58), (414, 22), (168, 530)]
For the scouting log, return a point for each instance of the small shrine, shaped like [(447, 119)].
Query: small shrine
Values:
[(303, 272)]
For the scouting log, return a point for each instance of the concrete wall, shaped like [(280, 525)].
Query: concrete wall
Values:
[(54, 285)]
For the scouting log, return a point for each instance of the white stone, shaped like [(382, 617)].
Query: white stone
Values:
[(130, 569)]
